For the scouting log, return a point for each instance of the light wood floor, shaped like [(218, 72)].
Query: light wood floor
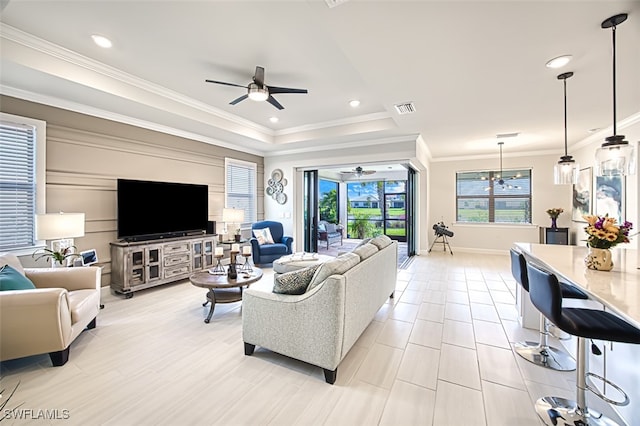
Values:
[(438, 354)]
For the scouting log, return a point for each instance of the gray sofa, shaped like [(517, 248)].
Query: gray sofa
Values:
[(320, 326)]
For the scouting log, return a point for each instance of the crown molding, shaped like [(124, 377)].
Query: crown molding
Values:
[(53, 50), (339, 146), (108, 115), (334, 123)]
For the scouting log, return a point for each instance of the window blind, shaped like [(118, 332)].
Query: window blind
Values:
[(17, 186), (241, 189)]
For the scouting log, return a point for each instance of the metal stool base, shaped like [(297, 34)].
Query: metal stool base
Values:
[(555, 411), (545, 356)]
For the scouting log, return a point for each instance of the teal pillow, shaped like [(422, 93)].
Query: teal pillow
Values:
[(10, 279)]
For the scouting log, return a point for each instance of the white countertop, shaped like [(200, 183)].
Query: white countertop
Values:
[(618, 289)]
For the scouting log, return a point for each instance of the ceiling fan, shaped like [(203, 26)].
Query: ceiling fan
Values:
[(258, 91), (499, 179), (359, 172)]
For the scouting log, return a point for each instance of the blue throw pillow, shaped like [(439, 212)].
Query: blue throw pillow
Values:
[(10, 279)]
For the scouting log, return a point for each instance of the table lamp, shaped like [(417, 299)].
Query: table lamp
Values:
[(234, 217), (59, 228)]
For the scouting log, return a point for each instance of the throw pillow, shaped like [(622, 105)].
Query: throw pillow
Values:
[(331, 228), (294, 282), (365, 251), (263, 236), (10, 279), (339, 265), (11, 260)]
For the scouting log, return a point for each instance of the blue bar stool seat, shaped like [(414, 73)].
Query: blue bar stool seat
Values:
[(540, 353), (546, 295)]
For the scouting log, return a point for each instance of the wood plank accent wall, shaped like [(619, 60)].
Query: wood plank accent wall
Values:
[(86, 155)]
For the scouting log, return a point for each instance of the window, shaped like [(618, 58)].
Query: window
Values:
[(486, 197), (22, 180), (329, 200), (241, 189)]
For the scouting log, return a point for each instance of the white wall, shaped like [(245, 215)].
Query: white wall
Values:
[(498, 237), (403, 151), (545, 194)]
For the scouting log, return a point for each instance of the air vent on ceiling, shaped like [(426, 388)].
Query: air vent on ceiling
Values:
[(405, 108), (507, 135)]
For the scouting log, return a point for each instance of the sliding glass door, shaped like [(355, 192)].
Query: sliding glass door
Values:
[(311, 211)]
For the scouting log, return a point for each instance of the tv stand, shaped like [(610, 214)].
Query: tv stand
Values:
[(137, 265)]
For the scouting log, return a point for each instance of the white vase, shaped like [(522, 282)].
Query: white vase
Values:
[(599, 259)]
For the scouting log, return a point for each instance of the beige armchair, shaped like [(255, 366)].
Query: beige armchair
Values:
[(47, 319)]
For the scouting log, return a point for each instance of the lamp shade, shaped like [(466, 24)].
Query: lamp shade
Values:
[(55, 226), (230, 215), (565, 173), (617, 159)]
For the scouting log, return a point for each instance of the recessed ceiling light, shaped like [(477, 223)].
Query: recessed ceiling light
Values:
[(274, 119), (102, 41), (559, 62), (354, 103)]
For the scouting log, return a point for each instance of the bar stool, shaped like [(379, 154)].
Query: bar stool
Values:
[(541, 353), (583, 323)]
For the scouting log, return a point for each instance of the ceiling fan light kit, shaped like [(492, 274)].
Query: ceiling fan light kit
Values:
[(566, 170), (258, 94), (258, 91), (358, 172), (616, 157)]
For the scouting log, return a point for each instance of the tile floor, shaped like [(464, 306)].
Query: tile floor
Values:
[(439, 354)]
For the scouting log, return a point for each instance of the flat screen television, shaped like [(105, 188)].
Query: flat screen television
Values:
[(150, 210)]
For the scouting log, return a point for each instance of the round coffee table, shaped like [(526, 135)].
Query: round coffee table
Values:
[(222, 289)]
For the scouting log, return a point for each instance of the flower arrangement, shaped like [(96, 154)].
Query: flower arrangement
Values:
[(56, 256), (604, 233), (555, 212)]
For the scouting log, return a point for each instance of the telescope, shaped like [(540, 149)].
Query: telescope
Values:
[(441, 230)]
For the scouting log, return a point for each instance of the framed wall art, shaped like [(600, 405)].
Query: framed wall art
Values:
[(581, 203), (609, 197)]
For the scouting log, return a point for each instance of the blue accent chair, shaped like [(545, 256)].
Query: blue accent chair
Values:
[(267, 253)]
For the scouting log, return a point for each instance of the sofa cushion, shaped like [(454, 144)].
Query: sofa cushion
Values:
[(11, 260), (295, 282), (339, 265), (10, 279), (365, 251), (381, 241), (331, 228), (263, 236), (273, 249)]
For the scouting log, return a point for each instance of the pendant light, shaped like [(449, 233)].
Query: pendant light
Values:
[(616, 157), (566, 170), (499, 179)]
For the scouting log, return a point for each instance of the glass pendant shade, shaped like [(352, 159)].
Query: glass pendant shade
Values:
[(565, 172), (616, 159)]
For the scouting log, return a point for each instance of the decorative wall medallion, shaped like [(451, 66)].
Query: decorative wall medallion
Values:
[(275, 186)]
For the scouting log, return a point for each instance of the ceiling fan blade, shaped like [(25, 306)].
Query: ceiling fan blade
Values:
[(275, 90), (226, 84), (368, 172), (240, 99), (258, 78), (273, 102)]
